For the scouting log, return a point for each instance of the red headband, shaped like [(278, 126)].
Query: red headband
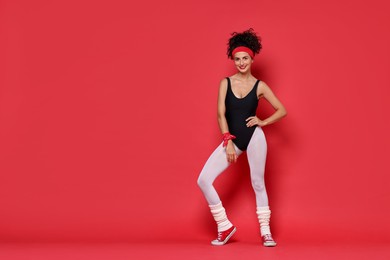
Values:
[(243, 48)]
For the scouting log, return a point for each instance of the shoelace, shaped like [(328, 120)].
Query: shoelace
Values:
[(268, 237)]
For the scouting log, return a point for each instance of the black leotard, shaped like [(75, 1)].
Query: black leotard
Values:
[(237, 110)]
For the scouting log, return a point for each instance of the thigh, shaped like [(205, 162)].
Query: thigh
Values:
[(217, 162), (257, 150)]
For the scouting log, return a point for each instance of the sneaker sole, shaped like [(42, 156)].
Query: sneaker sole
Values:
[(269, 244), (226, 239)]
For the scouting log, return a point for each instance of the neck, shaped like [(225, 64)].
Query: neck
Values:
[(244, 76)]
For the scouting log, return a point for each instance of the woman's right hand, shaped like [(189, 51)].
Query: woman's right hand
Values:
[(231, 154)]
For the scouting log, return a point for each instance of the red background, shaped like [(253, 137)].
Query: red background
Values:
[(108, 114)]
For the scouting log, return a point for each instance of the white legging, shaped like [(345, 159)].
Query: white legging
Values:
[(217, 163)]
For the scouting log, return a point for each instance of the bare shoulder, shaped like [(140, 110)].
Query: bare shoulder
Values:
[(223, 84), (262, 89), (263, 85)]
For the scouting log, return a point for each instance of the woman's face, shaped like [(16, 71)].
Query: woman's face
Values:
[(243, 61)]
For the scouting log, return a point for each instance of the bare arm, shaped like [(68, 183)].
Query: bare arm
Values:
[(223, 126), (280, 111), (231, 154)]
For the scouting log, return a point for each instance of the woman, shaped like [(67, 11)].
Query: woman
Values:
[(241, 131)]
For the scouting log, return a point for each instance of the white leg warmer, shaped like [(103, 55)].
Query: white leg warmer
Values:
[(264, 215), (219, 214)]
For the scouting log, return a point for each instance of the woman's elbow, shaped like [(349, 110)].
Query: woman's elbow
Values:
[(283, 112)]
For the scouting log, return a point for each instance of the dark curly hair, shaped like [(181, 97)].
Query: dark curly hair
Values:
[(247, 38)]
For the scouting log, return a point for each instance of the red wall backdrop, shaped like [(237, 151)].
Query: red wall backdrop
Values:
[(108, 113)]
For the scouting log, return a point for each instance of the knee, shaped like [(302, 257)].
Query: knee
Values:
[(203, 182), (258, 185)]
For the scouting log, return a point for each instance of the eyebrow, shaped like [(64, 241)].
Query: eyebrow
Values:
[(246, 56)]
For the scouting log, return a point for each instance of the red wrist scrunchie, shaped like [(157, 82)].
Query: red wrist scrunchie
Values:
[(226, 137)]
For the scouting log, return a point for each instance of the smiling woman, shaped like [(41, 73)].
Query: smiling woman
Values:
[(241, 130)]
